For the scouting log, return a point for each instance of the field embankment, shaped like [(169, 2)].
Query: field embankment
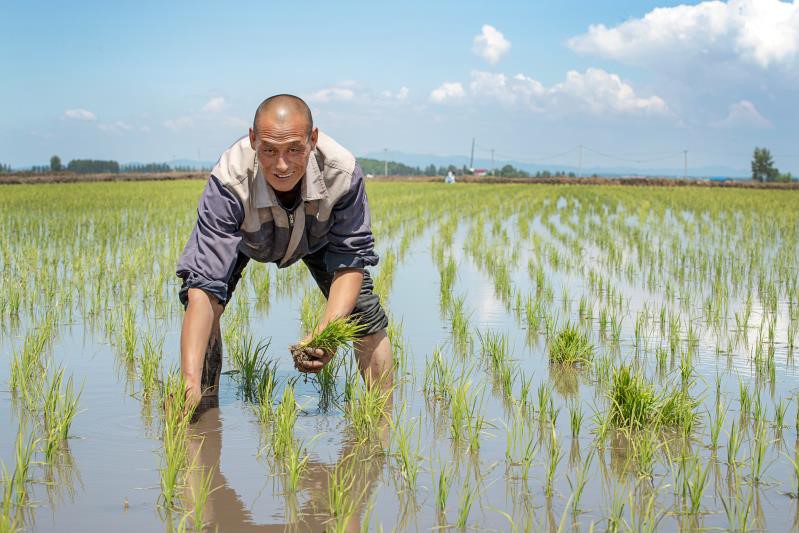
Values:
[(70, 177)]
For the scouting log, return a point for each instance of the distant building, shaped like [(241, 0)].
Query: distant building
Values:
[(480, 171)]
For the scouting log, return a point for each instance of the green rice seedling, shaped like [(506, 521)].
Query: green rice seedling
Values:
[(795, 464), (465, 507), (8, 523), (438, 376), (779, 414), (58, 410), (696, 481), (23, 454), (295, 464), (571, 347), (745, 401), (662, 358), (177, 415), (677, 409), (248, 359), (199, 490), (446, 283), (129, 333), (443, 484), (284, 421), (408, 450), (337, 333), (645, 446), (494, 347), (366, 409), (758, 448), (576, 419), (341, 497), (555, 455), (546, 405), (312, 301), (266, 392), (733, 445), (579, 486), (150, 364), (632, 399), (716, 423), (460, 321)]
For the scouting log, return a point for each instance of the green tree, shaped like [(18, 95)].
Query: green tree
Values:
[(763, 168), (55, 164)]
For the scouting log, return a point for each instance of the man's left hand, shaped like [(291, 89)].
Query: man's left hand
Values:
[(315, 359)]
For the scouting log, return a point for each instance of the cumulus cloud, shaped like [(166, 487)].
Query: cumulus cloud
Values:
[(490, 44), (447, 92), (594, 91), (743, 114), (79, 114), (214, 105), (338, 93), (762, 33)]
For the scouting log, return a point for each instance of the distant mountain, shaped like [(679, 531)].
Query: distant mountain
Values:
[(422, 160)]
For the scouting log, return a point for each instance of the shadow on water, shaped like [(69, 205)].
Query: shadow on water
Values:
[(307, 509)]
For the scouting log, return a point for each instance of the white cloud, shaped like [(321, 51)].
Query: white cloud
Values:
[(595, 91), (448, 91), (115, 127), (79, 114), (400, 95), (179, 123), (341, 92), (601, 92), (743, 114), (490, 44), (214, 105), (762, 33)]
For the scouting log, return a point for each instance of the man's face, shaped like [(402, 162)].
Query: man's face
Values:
[(283, 148)]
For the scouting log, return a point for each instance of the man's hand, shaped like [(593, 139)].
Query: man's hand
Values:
[(311, 360)]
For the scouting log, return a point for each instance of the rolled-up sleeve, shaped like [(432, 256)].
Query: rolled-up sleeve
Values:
[(350, 241), (210, 255)]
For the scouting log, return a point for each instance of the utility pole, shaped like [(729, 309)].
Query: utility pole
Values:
[(492, 161), (580, 161), (685, 161), (471, 158), (385, 162)]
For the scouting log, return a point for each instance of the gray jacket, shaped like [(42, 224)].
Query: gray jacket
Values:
[(239, 212)]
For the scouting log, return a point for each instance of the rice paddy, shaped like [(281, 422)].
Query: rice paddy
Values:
[(566, 358)]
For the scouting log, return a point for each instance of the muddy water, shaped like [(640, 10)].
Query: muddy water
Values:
[(109, 476)]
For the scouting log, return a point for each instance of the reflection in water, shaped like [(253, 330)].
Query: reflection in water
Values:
[(225, 511)]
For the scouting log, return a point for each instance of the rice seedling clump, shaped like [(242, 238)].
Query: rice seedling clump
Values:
[(338, 332), (571, 347)]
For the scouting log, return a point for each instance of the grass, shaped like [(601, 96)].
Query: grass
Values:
[(367, 410), (634, 403), (250, 361), (571, 347), (59, 409), (282, 435), (337, 333)]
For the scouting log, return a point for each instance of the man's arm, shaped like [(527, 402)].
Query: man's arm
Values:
[(206, 266), (350, 248)]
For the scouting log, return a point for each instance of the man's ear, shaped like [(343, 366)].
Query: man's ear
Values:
[(252, 139), (314, 137)]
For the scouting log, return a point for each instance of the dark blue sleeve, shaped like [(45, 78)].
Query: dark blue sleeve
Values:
[(208, 259), (350, 240)]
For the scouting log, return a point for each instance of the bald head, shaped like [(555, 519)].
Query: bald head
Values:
[(281, 108)]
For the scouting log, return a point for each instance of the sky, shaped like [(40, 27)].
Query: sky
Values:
[(633, 82)]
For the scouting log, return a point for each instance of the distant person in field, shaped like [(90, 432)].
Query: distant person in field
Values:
[(450, 177), (285, 193)]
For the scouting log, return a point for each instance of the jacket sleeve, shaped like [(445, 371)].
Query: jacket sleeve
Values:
[(210, 255), (350, 240)]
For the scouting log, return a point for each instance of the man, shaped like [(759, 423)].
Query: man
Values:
[(287, 192)]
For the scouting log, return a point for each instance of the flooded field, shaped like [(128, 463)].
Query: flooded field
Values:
[(567, 358)]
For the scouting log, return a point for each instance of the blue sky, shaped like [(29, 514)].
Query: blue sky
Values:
[(149, 81)]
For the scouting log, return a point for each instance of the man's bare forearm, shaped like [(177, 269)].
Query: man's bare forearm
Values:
[(194, 335), (344, 292)]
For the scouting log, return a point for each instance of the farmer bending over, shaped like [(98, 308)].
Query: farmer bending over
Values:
[(286, 192)]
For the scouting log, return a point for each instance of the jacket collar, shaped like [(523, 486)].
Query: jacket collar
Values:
[(313, 184)]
